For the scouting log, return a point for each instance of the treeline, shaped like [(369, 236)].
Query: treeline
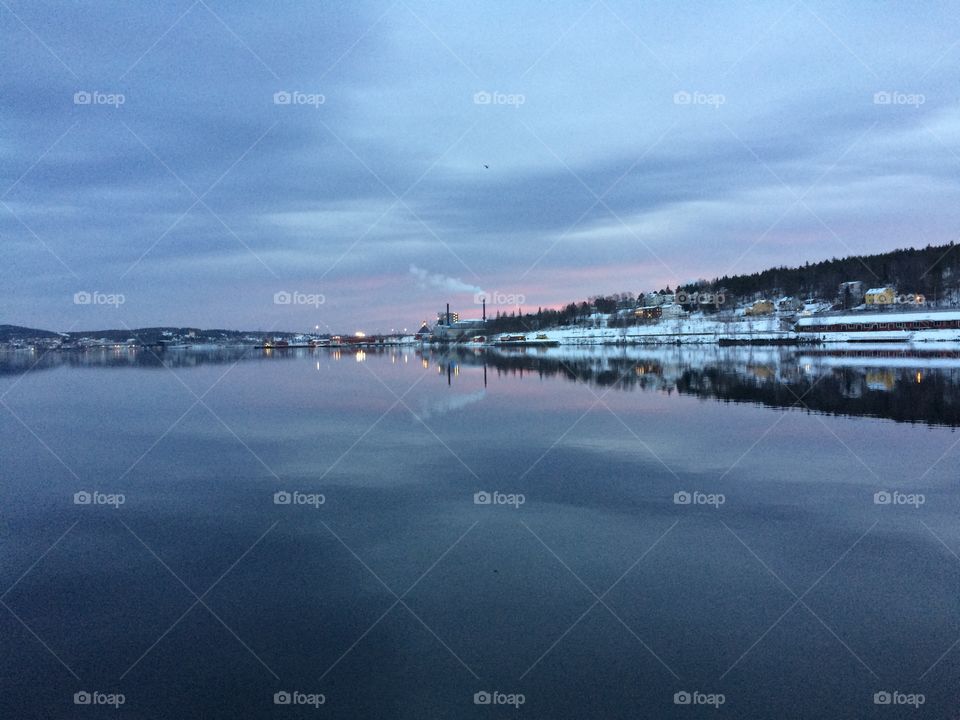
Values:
[(933, 271)]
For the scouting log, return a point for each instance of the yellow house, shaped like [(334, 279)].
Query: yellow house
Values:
[(880, 296), (760, 307)]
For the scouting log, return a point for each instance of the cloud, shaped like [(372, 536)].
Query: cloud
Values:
[(598, 183), (427, 279)]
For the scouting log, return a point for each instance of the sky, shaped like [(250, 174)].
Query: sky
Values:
[(356, 165)]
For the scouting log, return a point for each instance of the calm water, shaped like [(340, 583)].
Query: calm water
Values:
[(782, 586)]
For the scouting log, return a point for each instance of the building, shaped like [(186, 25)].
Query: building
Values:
[(760, 307), (658, 298), (880, 296), (851, 293), (424, 333), (442, 317), (789, 304), (650, 312), (882, 326)]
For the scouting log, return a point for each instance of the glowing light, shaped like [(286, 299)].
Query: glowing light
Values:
[(359, 334), (919, 377)]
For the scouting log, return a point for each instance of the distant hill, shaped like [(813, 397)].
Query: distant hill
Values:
[(148, 336), (14, 332), (933, 271)]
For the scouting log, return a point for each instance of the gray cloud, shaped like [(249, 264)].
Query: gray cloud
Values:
[(389, 174)]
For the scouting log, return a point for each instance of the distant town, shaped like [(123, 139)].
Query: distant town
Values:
[(819, 303)]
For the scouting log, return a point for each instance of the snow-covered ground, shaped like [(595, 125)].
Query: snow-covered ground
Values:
[(693, 329), (709, 329)]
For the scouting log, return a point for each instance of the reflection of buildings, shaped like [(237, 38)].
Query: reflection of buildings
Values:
[(880, 380), (897, 383), (763, 372), (825, 381)]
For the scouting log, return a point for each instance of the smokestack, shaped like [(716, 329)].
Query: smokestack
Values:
[(484, 309), (448, 314)]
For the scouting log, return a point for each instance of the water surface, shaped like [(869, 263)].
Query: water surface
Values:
[(784, 585)]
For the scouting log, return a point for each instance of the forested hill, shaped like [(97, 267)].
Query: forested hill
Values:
[(933, 271)]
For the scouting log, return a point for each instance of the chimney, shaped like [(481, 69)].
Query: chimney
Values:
[(484, 309), (448, 314)]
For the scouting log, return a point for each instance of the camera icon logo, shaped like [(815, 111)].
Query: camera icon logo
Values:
[(882, 498), (682, 98), (482, 498), (282, 497), (482, 98), (481, 297), (282, 698), (882, 98), (82, 498), (82, 97), (482, 698), (882, 698), (282, 298), (682, 698), (82, 298), (682, 498), (281, 97), (82, 698)]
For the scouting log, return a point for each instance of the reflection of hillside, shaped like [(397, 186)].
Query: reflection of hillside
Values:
[(905, 386), (896, 395), (20, 361), (916, 394), (14, 363)]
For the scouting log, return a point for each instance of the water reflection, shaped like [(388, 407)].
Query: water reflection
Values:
[(700, 585), (902, 385), (897, 383)]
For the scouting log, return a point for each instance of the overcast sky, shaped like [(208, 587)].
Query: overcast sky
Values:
[(421, 152)]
